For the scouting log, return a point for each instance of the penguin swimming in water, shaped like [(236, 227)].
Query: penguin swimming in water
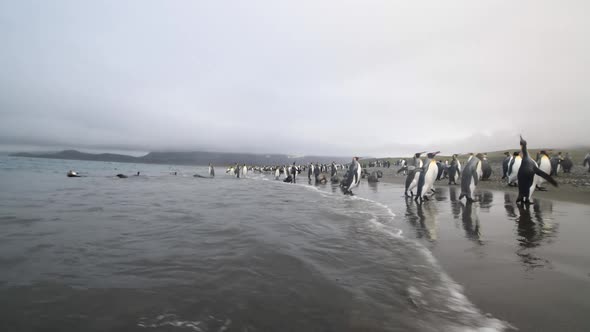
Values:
[(427, 177), (470, 177), (526, 176), (353, 177), (513, 169), (486, 168), (505, 165), (454, 170)]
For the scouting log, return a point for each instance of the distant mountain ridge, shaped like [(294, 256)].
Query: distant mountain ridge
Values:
[(188, 158)]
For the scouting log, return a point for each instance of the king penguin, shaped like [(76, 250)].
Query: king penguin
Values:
[(526, 176), (513, 169), (544, 164), (353, 177), (454, 170), (486, 168), (427, 177), (505, 165), (470, 177)]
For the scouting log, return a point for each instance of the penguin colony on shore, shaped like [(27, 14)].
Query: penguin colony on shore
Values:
[(518, 169)]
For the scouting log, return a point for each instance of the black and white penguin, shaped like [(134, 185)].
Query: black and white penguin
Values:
[(505, 165), (587, 161), (353, 177), (513, 169), (526, 175), (470, 177), (544, 164), (427, 177), (486, 168), (72, 174), (412, 181), (555, 165), (454, 170), (310, 172)]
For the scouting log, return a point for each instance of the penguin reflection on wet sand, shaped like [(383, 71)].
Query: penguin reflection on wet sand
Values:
[(526, 176), (470, 177)]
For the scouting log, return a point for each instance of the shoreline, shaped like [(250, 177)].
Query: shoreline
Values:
[(566, 192)]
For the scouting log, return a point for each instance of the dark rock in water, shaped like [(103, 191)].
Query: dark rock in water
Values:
[(121, 176), (202, 176)]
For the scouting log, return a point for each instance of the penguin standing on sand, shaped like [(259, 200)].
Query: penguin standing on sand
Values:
[(505, 165), (544, 164), (567, 163), (454, 170), (470, 177), (310, 171), (555, 164), (353, 177), (412, 181), (526, 176), (486, 168), (513, 169), (277, 173), (427, 177)]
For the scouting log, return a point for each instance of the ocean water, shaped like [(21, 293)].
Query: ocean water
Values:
[(160, 252)]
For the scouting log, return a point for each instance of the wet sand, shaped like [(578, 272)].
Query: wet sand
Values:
[(526, 266), (574, 187)]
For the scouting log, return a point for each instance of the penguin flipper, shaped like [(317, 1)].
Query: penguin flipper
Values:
[(545, 176)]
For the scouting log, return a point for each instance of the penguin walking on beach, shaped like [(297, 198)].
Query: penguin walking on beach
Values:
[(505, 165), (412, 181), (277, 173), (513, 169), (470, 177), (486, 168), (544, 164), (555, 164), (526, 176), (353, 177), (427, 177), (310, 171), (454, 170)]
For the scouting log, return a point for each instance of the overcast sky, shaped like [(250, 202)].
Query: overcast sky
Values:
[(298, 77)]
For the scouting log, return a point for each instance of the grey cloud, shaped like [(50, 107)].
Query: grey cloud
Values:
[(302, 77)]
